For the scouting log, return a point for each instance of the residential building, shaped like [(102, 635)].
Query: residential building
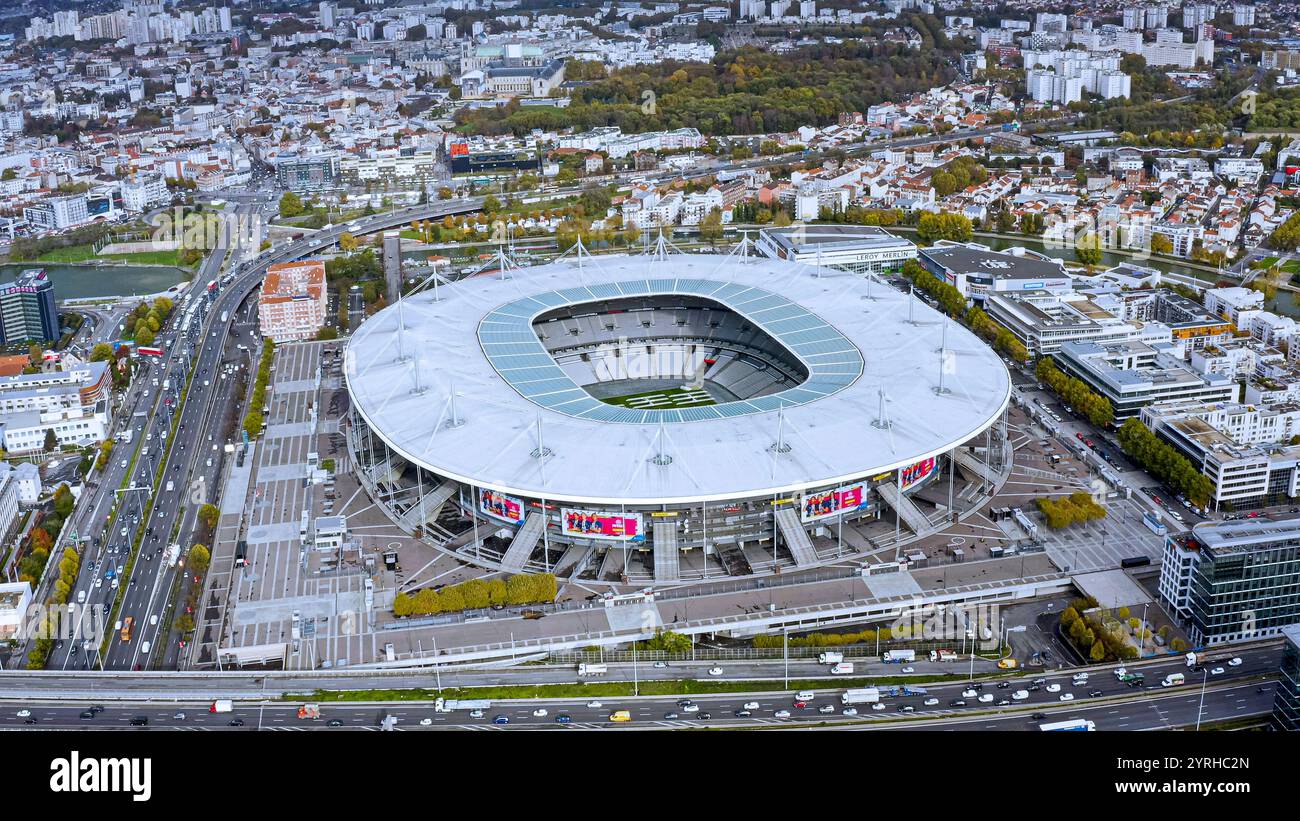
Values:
[(293, 300)]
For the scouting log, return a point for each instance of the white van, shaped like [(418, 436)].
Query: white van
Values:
[(144, 648), (81, 597), (804, 695)]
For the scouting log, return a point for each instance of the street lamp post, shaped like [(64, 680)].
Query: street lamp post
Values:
[(1205, 678)]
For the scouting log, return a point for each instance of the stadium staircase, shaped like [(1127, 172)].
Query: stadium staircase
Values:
[(667, 565), (967, 460), (521, 547), (904, 507), (427, 509), (796, 538)]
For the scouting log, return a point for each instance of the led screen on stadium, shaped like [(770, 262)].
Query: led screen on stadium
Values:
[(831, 502), (501, 506), (594, 524), (912, 474)]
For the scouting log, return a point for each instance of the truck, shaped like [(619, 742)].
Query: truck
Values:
[(860, 695), (225, 317), (898, 656), (126, 436), (893, 691), (221, 705), (844, 668), (592, 669), (448, 705), (830, 658), (943, 655), (172, 555), (1173, 680), (170, 486), (1073, 725), (309, 711), (1008, 664)]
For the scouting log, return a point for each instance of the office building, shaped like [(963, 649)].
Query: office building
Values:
[(1133, 374), (857, 248), (27, 311), (1286, 700), (1233, 581)]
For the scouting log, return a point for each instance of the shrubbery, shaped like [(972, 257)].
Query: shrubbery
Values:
[(1096, 633), (1076, 393), (525, 588), (253, 420), (1159, 458)]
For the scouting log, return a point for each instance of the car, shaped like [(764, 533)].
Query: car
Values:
[(1263, 689), (96, 709), (562, 719), (501, 719), (851, 711), (87, 714), (475, 713), (425, 722), (1002, 685), (825, 708), (969, 693), (1004, 702), (1053, 688), (659, 665), (180, 716), (236, 722), (24, 713), (743, 713), (540, 712), (906, 708), (957, 702), (879, 705), (930, 702), (704, 716), (690, 708), (987, 698), (909, 670), (1234, 662), (800, 704), (715, 671), (1067, 696), (781, 714), (1095, 694), (334, 722), (1217, 671), (29, 721), (751, 705), (670, 716), (1039, 716), (594, 705)]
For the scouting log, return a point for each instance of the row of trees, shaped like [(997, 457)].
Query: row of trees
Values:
[(142, 324), (999, 337), (1075, 393), (475, 594), (198, 560), (48, 630), (1286, 237), (253, 420), (931, 227), (1068, 510), (827, 639), (1159, 458), (948, 297)]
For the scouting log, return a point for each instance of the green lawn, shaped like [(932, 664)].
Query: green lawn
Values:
[(1292, 266), (85, 253), (664, 399), (1266, 262)]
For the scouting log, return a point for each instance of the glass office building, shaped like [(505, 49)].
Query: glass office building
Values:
[(1286, 704), (1240, 580)]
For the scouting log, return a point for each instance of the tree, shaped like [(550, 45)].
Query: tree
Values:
[(491, 204), (1087, 249), (209, 514), (51, 441), (711, 226), (348, 242), (102, 352), (200, 558), (291, 205), (1160, 244), (253, 423)]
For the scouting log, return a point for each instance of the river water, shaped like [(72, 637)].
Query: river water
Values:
[(91, 281)]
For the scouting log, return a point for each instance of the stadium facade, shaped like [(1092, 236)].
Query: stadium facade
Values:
[(668, 417)]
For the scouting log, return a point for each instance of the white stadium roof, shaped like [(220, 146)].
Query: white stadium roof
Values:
[(854, 337)]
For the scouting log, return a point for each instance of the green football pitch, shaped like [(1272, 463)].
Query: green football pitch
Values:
[(664, 399)]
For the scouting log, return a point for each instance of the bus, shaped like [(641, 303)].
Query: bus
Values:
[(1074, 724), (126, 627), (1153, 523), (143, 351)]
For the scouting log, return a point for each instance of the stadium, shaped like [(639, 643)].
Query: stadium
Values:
[(669, 417)]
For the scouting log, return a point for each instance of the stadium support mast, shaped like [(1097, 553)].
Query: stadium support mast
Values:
[(943, 360)]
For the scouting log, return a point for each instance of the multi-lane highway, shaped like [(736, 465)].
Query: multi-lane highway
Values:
[(1241, 692)]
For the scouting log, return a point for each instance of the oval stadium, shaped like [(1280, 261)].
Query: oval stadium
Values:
[(670, 417)]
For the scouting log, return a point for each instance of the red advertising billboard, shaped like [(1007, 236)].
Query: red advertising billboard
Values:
[(913, 474), (501, 506), (825, 503), (460, 149), (597, 524)]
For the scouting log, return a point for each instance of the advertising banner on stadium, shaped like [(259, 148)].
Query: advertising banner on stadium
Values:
[(501, 506), (832, 502), (913, 474), (596, 524)]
